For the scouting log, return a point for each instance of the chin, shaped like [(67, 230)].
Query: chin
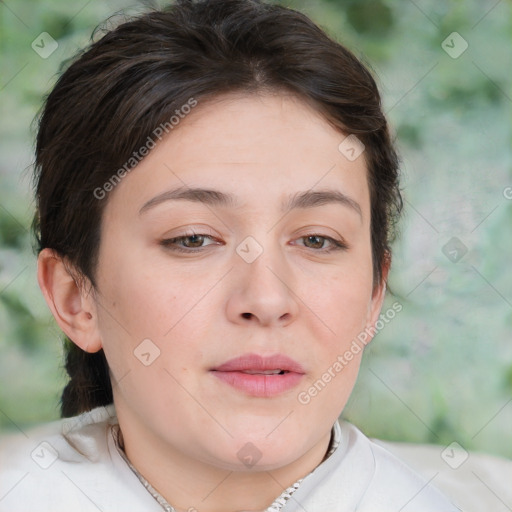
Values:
[(250, 459)]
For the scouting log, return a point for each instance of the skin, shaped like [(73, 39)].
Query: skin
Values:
[(182, 426)]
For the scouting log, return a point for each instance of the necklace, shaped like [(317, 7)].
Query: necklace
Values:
[(276, 506)]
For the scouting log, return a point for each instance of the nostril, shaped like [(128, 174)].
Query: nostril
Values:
[(247, 315)]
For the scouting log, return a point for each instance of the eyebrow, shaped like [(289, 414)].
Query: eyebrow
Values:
[(210, 197)]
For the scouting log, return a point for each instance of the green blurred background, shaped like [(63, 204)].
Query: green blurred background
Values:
[(441, 370)]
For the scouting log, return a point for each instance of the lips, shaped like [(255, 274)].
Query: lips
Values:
[(260, 376)]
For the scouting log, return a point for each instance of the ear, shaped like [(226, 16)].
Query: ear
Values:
[(74, 309), (378, 294)]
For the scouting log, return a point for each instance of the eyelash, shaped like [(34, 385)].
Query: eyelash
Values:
[(337, 245), (168, 243)]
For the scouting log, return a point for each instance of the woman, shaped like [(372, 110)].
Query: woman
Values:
[(216, 191)]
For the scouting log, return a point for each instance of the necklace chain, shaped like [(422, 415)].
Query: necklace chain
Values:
[(276, 506)]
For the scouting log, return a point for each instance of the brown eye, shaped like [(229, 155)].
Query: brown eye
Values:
[(188, 243), (314, 242), (324, 244), (192, 241)]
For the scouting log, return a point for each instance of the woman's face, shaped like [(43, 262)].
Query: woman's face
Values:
[(237, 250)]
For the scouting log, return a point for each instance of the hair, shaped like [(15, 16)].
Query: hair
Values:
[(118, 90)]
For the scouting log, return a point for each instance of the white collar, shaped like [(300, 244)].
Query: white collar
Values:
[(276, 506)]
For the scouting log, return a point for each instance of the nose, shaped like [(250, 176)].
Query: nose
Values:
[(262, 292)]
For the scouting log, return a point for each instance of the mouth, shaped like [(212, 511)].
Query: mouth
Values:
[(266, 372), (259, 376)]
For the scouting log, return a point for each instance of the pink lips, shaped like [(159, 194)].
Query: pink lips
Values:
[(260, 376)]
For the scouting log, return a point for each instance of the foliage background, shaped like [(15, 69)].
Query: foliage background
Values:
[(442, 369)]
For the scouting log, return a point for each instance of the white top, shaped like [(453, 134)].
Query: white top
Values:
[(73, 464)]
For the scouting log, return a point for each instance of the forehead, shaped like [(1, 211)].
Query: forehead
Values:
[(259, 148)]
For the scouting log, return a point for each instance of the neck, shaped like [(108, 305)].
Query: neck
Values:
[(190, 485)]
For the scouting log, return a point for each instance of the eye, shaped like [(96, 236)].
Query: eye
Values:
[(321, 243), (188, 243)]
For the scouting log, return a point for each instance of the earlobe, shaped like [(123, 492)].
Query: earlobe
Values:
[(73, 309), (376, 304), (378, 296)]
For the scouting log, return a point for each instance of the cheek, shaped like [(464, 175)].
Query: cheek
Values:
[(164, 305), (140, 299), (343, 303), (342, 309), (150, 335)]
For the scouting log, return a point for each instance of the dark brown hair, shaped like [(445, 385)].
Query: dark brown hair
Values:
[(132, 80)]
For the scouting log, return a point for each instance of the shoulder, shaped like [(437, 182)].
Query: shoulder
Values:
[(74, 439), (67, 464), (362, 475), (395, 484), (476, 481)]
